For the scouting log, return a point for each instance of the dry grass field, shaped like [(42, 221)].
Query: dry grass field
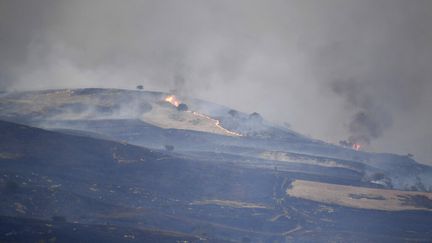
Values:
[(361, 197), (168, 117)]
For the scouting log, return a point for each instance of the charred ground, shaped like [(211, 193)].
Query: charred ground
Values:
[(94, 173)]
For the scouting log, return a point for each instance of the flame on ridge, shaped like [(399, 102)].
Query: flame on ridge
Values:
[(176, 102), (173, 100), (356, 146)]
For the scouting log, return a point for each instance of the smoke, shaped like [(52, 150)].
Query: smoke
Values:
[(162, 45), (375, 62), (366, 126), (332, 69), (370, 121)]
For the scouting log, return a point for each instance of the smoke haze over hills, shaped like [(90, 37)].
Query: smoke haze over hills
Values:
[(332, 69)]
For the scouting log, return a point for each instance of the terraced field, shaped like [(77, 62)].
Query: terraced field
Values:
[(361, 197)]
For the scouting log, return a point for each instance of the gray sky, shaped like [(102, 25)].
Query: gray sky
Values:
[(334, 69)]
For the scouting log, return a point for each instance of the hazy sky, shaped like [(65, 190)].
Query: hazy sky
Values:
[(333, 69)]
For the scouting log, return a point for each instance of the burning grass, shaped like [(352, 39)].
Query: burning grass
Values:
[(166, 117)]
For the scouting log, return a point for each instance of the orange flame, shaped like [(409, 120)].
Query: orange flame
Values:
[(173, 100), (356, 146)]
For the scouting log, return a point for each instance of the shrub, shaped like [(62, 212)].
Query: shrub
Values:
[(182, 107), (246, 240), (169, 147), (11, 186), (233, 113), (58, 219), (378, 176), (256, 117)]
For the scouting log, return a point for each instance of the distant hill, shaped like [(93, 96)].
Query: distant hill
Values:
[(89, 160), (146, 119)]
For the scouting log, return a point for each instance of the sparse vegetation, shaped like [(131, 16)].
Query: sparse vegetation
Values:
[(416, 200), (169, 147), (7, 155), (378, 176), (255, 116), (182, 107), (233, 113), (144, 107), (11, 187), (246, 240), (58, 219)]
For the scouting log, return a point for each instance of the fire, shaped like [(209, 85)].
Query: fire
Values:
[(217, 123), (173, 100), (176, 102), (356, 146)]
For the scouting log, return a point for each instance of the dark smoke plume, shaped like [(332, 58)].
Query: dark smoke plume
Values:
[(370, 121), (366, 126), (315, 64)]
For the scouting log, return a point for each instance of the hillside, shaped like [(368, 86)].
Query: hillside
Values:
[(145, 119), (69, 163)]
